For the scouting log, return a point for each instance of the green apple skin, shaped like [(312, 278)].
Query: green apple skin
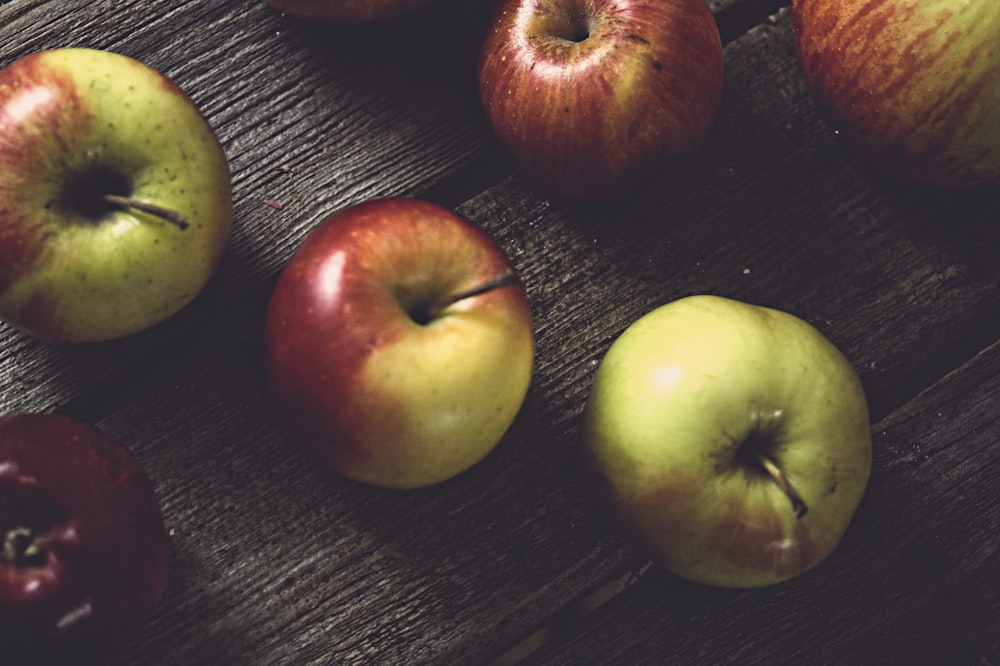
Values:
[(347, 11), (79, 123), (380, 390), (679, 404), (914, 87)]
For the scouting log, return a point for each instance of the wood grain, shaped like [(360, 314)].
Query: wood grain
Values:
[(276, 561)]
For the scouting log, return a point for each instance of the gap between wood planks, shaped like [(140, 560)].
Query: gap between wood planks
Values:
[(734, 21)]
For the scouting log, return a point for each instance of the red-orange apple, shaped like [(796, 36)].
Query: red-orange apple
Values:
[(591, 96), (399, 342)]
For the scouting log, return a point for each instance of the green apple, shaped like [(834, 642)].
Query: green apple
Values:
[(732, 440), (399, 342), (115, 198)]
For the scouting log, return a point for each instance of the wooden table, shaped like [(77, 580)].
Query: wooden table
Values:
[(276, 561)]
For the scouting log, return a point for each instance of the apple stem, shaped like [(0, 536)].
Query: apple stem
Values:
[(21, 548), (505, 279), (798, 504), (171, 216)]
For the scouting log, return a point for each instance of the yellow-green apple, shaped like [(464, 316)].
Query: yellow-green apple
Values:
[(347, 11), (85, 553), (731, 440), (913, 86), (399, 342), (592, 96), (115, 201)]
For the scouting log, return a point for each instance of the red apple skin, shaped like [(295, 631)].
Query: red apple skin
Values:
[(914, 87), (347, 11), (341, 307), (590, 117), (104, 559)]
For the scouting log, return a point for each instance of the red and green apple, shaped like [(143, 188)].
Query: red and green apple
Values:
[(115, 201), (731, 440), (399, 342)]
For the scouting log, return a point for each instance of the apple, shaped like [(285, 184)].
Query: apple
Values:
[(85, 553), (731, 440), (347, 11), (399, 342), (115, 200), (914, 87), (592, 97)]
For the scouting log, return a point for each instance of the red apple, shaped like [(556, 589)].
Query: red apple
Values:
[(590, 96), (399, 342), (85, 552), (914, 87), (347, 11)]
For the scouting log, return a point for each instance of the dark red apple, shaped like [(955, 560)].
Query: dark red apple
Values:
[(85, 553), (591, 96), (914, 87)]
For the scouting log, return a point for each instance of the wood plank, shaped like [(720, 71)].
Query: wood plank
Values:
[(272, 556), (773, 211), (913, 582)]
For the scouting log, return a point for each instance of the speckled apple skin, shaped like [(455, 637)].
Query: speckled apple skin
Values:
[(64, 276)]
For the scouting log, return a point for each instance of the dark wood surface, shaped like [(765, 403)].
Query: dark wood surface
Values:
[(276, 561)]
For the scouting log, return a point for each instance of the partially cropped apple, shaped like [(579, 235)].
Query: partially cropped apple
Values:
[(347, 11), (914, 87), (731, 440), (115, 202), (593, 96), (399, 342), (85, 553)]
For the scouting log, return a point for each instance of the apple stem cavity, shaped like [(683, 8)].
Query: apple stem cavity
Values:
[(505, 279), (580, 30), (798, 504), (21, 548), (172, 216)]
